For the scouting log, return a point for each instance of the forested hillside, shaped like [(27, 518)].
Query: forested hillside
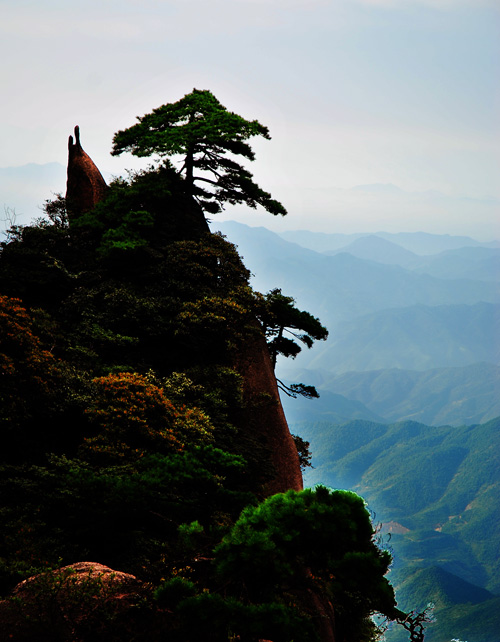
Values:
[(141, 419), (435, 489)]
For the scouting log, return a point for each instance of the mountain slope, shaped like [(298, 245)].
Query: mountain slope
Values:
[(376, 248), (480, 263), (415, 337), (319, 241), (440, 483), (462, 610), (439, 396), (436, 490), (329, 407)]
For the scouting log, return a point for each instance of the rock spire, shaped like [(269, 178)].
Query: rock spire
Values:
[(85, 186)]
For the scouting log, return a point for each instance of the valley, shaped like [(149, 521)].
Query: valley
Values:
[(408, 414)]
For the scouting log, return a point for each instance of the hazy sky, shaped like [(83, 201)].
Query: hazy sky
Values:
[(355, 92)]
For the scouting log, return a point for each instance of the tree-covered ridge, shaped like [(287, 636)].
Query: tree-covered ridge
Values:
[(131, 445), (460, 609)]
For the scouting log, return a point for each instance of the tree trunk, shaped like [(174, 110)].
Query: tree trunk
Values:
[(189, 164)]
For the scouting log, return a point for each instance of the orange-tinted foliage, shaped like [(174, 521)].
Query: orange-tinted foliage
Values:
[(133, 416), (27, 371)]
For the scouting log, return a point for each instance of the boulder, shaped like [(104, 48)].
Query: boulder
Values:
[(82, 602)]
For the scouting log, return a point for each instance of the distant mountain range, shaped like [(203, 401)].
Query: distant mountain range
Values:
[(411, 336), (452, 396), (475, 262), (345, 286), (403, 343), (414, 337), (420, 243), (377, 248)]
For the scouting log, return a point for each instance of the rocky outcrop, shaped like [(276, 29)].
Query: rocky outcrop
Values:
[(264, 417), (76, 575), (82, 602), (85, 185)]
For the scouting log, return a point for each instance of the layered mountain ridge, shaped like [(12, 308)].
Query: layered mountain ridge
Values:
[(411, 343)]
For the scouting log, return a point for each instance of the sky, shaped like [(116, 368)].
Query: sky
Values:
[(384, 114)]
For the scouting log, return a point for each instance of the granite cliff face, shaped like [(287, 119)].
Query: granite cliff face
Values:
[(266, 418)]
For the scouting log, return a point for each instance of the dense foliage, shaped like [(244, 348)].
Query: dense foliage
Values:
[(121, 430)]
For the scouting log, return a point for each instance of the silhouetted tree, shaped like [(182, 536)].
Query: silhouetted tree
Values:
[(207, 136), (279, 316)]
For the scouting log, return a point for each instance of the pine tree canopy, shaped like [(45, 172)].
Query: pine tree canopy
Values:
[(207, 138)]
